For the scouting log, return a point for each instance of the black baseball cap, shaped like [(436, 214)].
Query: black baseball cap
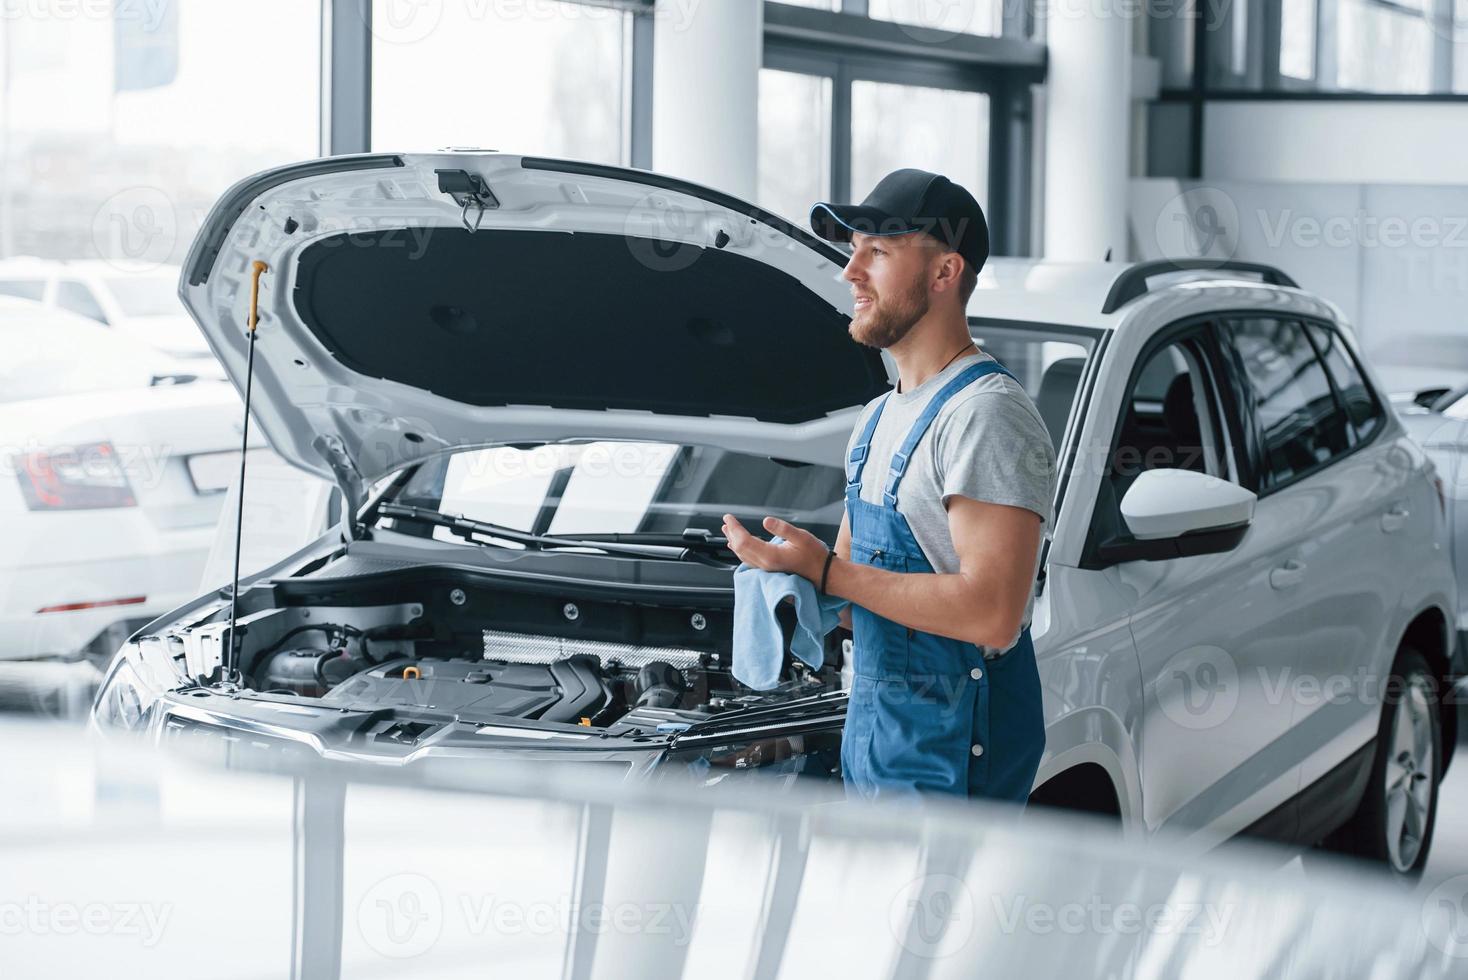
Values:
[(906, 201)]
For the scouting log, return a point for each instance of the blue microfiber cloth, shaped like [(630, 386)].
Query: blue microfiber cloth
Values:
[(759, 648)]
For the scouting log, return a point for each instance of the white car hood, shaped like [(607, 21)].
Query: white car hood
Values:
[(590, 302)]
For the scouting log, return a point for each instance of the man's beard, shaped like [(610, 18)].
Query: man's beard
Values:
[(887, 322)]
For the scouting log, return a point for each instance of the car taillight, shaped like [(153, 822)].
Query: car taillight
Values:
[(74, 478)]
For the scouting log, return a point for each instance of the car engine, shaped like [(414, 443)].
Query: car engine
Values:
[(599, 664)]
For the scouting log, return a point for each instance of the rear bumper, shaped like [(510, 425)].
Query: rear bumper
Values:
[(164, 575)]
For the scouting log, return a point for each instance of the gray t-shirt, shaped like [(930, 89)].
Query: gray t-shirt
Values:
[(988, 443)]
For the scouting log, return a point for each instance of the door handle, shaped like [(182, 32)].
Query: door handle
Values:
[(1288, 575), (1395, 519)]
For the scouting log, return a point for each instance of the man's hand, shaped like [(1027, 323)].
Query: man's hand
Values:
[(801, 552)]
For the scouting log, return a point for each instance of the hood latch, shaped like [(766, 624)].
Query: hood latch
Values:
[(468, 191)]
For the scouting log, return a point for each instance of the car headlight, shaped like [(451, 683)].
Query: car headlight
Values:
[(138, 678)]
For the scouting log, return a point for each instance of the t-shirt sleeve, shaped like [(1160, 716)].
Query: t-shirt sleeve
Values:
[(995, 448)]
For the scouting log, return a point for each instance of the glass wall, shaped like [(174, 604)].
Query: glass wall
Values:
[(543, 78), (119, 126), (942, 130), (794, 142), (1391, 47)]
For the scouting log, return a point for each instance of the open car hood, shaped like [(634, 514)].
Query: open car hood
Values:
[(420, 303)]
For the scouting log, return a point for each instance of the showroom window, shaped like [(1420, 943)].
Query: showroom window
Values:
[(1383, 47), (794, 142), (973, 17), (1297, 39), (1389, 47), (546, 78), (964, 105), (120, 125), (943, 130)]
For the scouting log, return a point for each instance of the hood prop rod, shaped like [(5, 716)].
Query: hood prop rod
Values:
[(227, 664)]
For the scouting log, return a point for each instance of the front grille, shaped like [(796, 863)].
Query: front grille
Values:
[(527, 648)]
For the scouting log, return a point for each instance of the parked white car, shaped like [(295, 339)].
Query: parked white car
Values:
[(560, 374), (113, 459), (142, 303)]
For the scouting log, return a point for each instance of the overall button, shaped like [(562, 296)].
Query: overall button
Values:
[(977, 750), (976, 673)]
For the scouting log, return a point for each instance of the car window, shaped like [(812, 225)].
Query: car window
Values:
[(1301, 424), (1171, 419), (1362, 407), (76, 297), (41, 358), (32, 289)]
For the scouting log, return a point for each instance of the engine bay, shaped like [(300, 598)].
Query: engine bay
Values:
[(435, 644)]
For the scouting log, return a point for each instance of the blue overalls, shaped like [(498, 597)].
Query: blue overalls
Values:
[(927, 714)]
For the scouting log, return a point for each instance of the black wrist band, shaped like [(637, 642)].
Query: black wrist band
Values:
[(826, 570)]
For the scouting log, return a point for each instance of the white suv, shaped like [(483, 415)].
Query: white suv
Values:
[(539, 383)]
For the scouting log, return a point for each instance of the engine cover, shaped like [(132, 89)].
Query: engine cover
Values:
[(564, 691)]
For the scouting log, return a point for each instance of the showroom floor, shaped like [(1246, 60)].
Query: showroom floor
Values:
[(65, 695), (1449, 855)]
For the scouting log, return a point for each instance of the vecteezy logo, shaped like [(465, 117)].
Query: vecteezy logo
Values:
[(136, 228), (1199, 223), (401, 916), (1445, 916), (402, 21), (932, 916), (657, 231), (1198, 688)]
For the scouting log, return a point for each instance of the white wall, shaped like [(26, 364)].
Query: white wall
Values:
[(1393, 257), (1337, 142)]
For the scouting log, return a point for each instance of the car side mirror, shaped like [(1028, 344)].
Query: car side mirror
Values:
[(1176, 513)]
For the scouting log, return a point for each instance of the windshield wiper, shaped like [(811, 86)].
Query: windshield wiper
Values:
[(697, 547)]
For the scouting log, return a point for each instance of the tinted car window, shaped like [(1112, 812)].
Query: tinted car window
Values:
[(77, 298), (1301, 424), (1362, 408), (23, 288)]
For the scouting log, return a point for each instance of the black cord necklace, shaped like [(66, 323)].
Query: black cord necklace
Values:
[(971, 346)]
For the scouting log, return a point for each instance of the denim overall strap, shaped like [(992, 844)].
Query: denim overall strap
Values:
[(862, 449), (903, 454)]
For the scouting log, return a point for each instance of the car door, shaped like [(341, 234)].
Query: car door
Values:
[(1207, 627), (1323, 465)]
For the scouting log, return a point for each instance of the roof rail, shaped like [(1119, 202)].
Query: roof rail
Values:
[(1133, 281)]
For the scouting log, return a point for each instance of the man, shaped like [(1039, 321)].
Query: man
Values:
[(950, 479)]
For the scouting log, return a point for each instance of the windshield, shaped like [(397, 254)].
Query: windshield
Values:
[(599, 487), (571, 488)]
